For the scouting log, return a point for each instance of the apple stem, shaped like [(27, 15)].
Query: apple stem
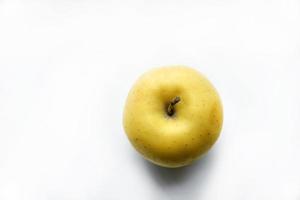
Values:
[(171, 107)]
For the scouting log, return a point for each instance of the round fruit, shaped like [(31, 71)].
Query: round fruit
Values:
[(173, 115)]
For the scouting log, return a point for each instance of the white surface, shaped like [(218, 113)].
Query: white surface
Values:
[(66, 68)]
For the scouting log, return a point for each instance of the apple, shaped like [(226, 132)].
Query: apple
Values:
[(172, 116)]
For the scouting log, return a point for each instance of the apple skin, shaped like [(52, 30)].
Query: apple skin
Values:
[(177, 140)]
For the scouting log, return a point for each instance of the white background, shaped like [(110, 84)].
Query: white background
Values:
[(66, 68)]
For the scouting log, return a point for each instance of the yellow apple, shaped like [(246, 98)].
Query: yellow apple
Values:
[(172, 115)]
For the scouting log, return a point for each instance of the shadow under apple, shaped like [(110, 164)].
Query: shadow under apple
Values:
[(185, 182)]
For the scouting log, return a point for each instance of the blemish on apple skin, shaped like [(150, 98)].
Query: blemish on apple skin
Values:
[(136, 139), (193, 139)]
